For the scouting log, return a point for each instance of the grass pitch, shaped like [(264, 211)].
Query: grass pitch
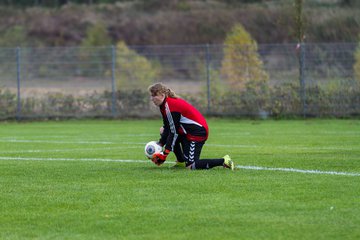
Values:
[(90, 180)]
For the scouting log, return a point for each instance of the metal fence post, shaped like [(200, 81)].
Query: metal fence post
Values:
[(302, 78), (208, 59), (113, 84), (18, 77)]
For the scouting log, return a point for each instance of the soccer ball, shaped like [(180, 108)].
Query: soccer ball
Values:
[(151, 148)]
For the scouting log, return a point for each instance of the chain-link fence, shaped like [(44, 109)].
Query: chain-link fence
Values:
[(277, 80)]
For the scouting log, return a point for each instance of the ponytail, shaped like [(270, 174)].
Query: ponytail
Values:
[(171, 93)]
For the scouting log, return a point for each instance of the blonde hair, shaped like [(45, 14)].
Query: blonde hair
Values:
[(157, 88)]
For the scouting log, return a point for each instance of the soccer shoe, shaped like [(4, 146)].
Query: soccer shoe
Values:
[(178, 165), (228, 163)]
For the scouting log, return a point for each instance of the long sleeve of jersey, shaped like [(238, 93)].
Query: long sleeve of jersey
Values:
[(172, 124), (164, 135)]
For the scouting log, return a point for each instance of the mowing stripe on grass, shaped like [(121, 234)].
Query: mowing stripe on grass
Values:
[(315, 148), (77, 159), (69, 150), (65, 142), (350, 148), (147, 161)]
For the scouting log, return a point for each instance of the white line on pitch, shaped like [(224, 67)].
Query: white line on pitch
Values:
[(147, 161), (298, 170)]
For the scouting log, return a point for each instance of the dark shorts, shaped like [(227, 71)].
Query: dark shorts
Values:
[(187, 151)]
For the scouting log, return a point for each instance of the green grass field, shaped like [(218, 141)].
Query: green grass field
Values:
[(90, 180)]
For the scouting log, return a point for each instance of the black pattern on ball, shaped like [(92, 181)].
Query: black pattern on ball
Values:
[(150, 150)]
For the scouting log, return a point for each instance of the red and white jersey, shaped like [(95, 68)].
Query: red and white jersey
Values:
[(180, 117)]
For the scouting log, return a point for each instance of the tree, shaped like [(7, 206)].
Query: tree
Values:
[(243, 69), (241, 63), (13, 37), (95, 50), (96, 35), (349, 3), (299, 20), (133, 70), (357, 63)]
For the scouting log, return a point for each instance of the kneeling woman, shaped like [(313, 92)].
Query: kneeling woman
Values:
[(184, 131)]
